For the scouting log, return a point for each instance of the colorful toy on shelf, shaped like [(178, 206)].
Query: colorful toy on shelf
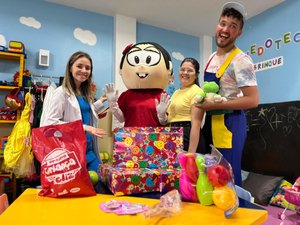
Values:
[(3, 48), (8, 114), (3, 142), (14, 99), (26, 78), (16, 46)]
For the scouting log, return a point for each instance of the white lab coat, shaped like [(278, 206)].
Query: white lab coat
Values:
[(47, 100), (63, 107)]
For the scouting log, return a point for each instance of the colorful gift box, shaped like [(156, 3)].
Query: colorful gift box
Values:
[(144, 160), (125, 181), (147, 147), (169, 179)]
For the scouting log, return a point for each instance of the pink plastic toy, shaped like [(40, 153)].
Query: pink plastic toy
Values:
[(188, 178), (292, 195), (122, 207)]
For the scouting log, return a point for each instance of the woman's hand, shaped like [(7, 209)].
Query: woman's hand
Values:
[(95, 131), (103, 98)]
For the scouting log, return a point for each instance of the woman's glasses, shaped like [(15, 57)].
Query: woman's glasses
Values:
[(187, 70)]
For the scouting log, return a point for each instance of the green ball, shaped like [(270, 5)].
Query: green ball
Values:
[(94, 177)]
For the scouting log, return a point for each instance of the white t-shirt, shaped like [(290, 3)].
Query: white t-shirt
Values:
[(239, 73)]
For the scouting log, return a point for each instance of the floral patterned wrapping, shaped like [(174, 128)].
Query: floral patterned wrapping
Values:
[(126, 181), (144, 160), (147, 147)]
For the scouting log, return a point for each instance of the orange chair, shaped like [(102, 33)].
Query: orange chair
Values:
[(3, 203), (12, 183)]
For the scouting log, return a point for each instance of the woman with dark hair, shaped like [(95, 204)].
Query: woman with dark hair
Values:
[(181, 111), (74, 100)]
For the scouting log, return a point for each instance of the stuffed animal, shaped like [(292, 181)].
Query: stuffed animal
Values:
[(210, 90), (145, 69)]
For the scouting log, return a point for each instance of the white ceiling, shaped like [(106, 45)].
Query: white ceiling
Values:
[(194, 17)]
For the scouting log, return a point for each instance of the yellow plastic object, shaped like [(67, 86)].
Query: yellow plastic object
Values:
[(16, 46), (222, 137), (224, 197)]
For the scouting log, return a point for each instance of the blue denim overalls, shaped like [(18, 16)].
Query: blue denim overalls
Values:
[(226, 131)]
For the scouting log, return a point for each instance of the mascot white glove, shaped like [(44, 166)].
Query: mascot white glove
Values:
[(161, 108), (112, 98)]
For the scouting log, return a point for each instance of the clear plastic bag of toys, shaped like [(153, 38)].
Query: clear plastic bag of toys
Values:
[(169, 205), (208, 179)]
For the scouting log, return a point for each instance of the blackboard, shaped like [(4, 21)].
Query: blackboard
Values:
[(273, 140)]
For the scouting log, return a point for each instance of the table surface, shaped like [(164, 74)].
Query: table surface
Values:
[(31, 209)]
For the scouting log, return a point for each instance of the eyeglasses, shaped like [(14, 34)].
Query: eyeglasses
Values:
[(182, 70)]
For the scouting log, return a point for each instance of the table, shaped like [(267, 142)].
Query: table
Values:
[(31, 209)]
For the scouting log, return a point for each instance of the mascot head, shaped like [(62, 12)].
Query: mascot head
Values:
[(145, 65)]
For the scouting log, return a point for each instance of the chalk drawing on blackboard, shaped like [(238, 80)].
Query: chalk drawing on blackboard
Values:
[(272, 122)]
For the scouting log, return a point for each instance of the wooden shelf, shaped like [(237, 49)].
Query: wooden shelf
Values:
[(11, 56), (15, 57), (8, 121), (8, 88), (20, 59)]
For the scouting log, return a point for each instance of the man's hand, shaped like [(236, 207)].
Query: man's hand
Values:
[(162, 107), (208, 105)]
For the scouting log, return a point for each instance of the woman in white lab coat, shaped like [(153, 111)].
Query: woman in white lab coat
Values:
[(74, 101)]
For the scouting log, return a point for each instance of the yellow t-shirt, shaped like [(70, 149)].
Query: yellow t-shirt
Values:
[(181, 104)]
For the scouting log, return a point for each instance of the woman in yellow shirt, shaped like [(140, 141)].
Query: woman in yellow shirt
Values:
[(181, 111)]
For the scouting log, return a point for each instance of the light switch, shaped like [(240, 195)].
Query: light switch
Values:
[(44, 57)]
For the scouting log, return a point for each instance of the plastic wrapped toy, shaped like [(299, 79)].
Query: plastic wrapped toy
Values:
[(169, 205), (188, 177), (292, 195), (215, 183), (122, 207)]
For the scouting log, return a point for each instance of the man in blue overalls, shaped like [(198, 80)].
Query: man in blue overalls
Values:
[(233, 71)]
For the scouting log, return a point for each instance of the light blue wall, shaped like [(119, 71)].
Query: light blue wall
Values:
[(178, 45), (56, 35), (282, 83), (58, 22)]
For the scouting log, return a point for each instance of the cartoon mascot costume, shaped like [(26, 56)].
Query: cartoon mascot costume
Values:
[(146, 69)]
